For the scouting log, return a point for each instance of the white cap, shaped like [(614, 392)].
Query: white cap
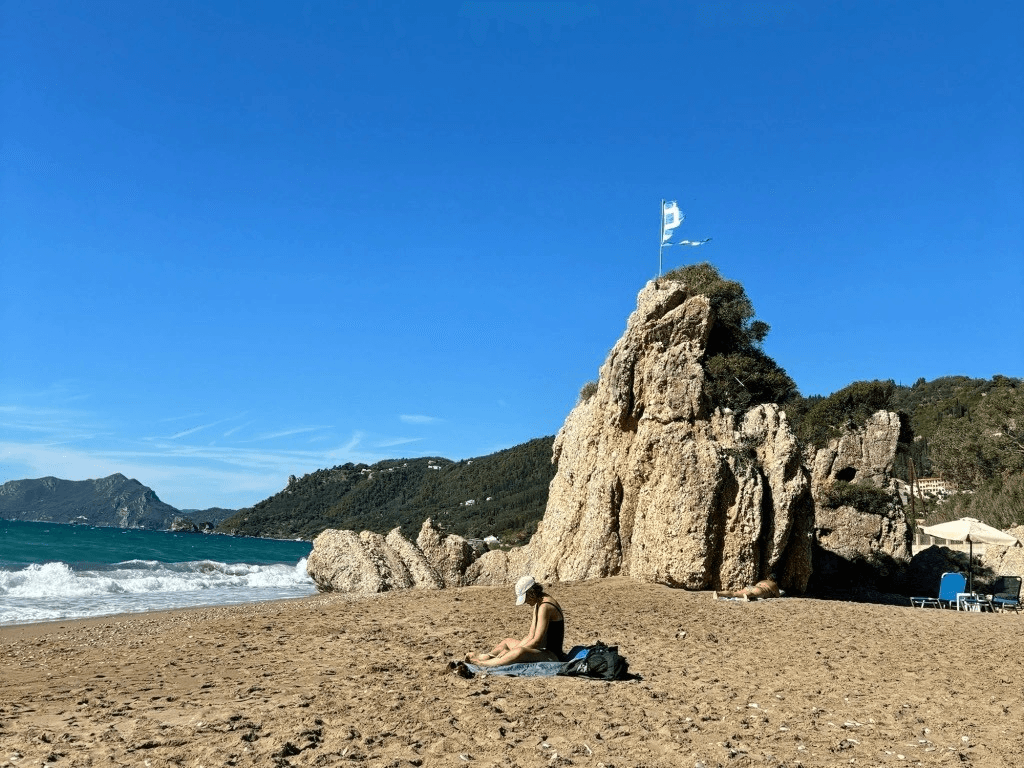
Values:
[(522, 587)]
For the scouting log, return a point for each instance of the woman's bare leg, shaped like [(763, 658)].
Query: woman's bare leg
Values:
[(504, 646), (518, 655)]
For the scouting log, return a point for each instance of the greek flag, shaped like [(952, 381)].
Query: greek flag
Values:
[(670, 219)]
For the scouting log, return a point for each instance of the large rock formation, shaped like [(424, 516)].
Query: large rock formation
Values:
[(867, 542), (448, 555), (655, 483), (863, 454)]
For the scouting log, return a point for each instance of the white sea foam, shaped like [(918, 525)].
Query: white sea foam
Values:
[(56, 591)]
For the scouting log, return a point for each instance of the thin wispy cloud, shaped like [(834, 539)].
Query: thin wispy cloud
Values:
[(413, 418), (352, 444), (233, 430), (59, 392), (398, 441), (181, 418), (192, 431), (186, 476), (54, 424), (286, 433)]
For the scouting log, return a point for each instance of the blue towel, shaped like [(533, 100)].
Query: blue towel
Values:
[(531, 669)]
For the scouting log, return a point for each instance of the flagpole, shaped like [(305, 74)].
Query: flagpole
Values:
[(661, 242)]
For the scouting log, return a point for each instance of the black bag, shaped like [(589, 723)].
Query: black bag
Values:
[(602, 662)]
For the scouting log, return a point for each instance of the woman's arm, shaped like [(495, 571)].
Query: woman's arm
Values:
[(533, 626), (539, 628)]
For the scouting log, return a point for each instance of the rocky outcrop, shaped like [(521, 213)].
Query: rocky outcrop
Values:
[(421, 572), (499, 567), (867, 542), (655, 483), (862, 454), (448, 555), (1006, 561), (344, 561)]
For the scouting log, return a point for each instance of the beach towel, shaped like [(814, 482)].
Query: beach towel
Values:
[(532, 669)]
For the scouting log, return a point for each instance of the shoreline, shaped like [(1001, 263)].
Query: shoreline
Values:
[(78, 622), (330, 678), (212, 532)]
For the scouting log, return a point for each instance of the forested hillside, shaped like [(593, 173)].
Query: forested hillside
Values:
[(971, 433), (503, 494)]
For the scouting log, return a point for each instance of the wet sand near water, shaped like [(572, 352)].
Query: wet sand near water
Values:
[(339, 680)]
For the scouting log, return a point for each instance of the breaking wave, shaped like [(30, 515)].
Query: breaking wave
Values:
[(51, 591)]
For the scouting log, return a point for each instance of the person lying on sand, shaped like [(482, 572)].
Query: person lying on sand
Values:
[(544, 640), (764, 588)]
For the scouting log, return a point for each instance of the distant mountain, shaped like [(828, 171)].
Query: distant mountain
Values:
[(502, 494), (112, 502)]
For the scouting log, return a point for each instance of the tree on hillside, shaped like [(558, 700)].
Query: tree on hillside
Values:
[(998, 501), (739, 374), (987, 441), (828, 417)]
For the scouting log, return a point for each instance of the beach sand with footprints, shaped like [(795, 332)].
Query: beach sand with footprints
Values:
[(341, 680)]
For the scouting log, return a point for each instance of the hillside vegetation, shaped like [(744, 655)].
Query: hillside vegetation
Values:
[(503, 494), (968, 431)]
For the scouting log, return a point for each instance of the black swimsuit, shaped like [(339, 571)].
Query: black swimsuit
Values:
[(556, 633)]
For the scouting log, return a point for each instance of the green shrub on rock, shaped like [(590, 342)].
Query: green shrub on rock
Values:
[(739, 374), (588, 391), (864, 498)]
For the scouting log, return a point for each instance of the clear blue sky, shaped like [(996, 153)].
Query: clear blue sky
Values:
[(242, 240)]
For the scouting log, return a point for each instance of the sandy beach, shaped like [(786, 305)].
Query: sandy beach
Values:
[(338, 680)]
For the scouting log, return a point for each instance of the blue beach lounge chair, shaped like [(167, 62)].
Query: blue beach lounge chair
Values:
[(950, 585), (1006, 593)]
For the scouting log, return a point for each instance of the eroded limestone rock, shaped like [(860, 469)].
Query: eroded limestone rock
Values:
[(340, 562), (1006, 561), (654, 484), (859, 546), (344, 561), (448, 555)]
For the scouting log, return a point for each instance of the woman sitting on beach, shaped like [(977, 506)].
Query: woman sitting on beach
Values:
[(763, 589), (544, 640)]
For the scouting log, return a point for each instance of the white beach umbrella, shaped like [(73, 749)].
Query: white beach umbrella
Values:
[(970, 530)]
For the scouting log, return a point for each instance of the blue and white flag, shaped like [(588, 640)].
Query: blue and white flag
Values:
[(670, 219)]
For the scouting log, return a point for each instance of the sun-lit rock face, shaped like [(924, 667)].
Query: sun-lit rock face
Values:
[(448, 555), (344, 561), (870, 544), (1006, 561), (656, 483)]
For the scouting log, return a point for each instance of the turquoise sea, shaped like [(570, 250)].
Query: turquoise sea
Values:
[(51, 571)]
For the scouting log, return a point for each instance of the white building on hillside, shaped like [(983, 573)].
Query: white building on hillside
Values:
[(935, 486)]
